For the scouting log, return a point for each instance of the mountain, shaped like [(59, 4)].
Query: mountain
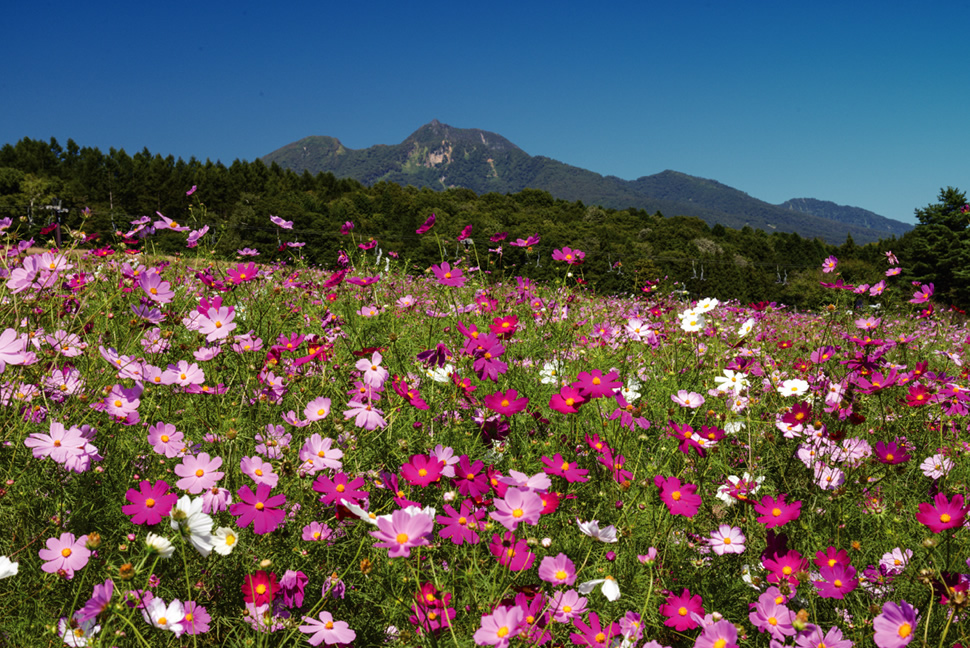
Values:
[(440, 156)]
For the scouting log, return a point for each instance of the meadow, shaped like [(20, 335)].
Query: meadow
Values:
[(245, 454)]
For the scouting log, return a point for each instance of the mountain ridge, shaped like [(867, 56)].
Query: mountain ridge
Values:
[(440, 156)]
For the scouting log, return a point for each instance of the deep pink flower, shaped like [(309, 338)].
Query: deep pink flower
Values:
[(150, 503), (559, 466), (838, 580), (570, 256), (594, 384), (511, 553), (260, 588), (422, 470), (506, 403), (448, 276), (681, 499), (258, 508), (340, 488), (426, 226), (944, 514), (567, 401), (461, 526), (679, 610), (469, 478), (775, 512), (595, 633), (785, 567)]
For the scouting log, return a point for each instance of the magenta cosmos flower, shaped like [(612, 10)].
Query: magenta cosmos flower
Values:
[(422, 470), (680, 610), (426, 226), (150, 503), (325, 630), (681, 499), (402, 531), (775, 512), (198, 473), (895, 627), (944, 515), (511, 553), (65, 555), (506, 403), (258, 508), (570, 256), (448, 276)]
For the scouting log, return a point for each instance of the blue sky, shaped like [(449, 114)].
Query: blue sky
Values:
[(860, 103)]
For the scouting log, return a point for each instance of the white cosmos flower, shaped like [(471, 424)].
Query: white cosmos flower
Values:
[(593, 530), (166, 617), (706, 305), (160, 544), (610, 589), (731, 381), (224, 540), (549, 375), (187, 514), (793, 387), (8, 568), (745, 328), (691, 321)]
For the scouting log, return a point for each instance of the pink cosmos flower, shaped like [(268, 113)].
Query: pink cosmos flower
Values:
[(198, 473), (558, 570), (317, 454), (60, 444), (279, 222), (594, 633), (571, 471), (517, 506), (936, 466), (317, 409), (150, 503), (775, 512), (594, 384), (65, 555), (365, 415), (499, 627), (944, 514), (785, 567), (727, 540), (402, 531), (828, 265), (325, 630), (166, 440), (259, 471), (689, 399), (772, 616), (13, 347), (720, 634), (896, 626), (217, 324), (340, 490), (155, 288), (260, 508), (567, 604), (374, 374), (922, 295), (567, 401), (838, 580)]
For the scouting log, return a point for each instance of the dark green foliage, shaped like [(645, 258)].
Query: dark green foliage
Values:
[(939, 247)]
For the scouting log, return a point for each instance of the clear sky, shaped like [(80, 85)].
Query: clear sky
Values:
[(861, 103)]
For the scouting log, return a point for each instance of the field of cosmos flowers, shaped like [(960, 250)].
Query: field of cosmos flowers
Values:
[(243, 454)]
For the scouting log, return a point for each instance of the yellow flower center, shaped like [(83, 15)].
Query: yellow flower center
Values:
[(199, 472), (66, 551), (517, 513), (675, 496), (149, 502), (905, 630), (260, 506), (561, 574), (402, 538)]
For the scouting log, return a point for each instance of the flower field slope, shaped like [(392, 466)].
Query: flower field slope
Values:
[(238, 454)]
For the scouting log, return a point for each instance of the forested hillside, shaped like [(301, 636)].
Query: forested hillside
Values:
[(96, 196)]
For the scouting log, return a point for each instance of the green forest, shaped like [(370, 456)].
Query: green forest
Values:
[(94, 196)]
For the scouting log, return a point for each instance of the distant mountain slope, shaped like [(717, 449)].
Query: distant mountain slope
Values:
[(440, 156), (845, 214)]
